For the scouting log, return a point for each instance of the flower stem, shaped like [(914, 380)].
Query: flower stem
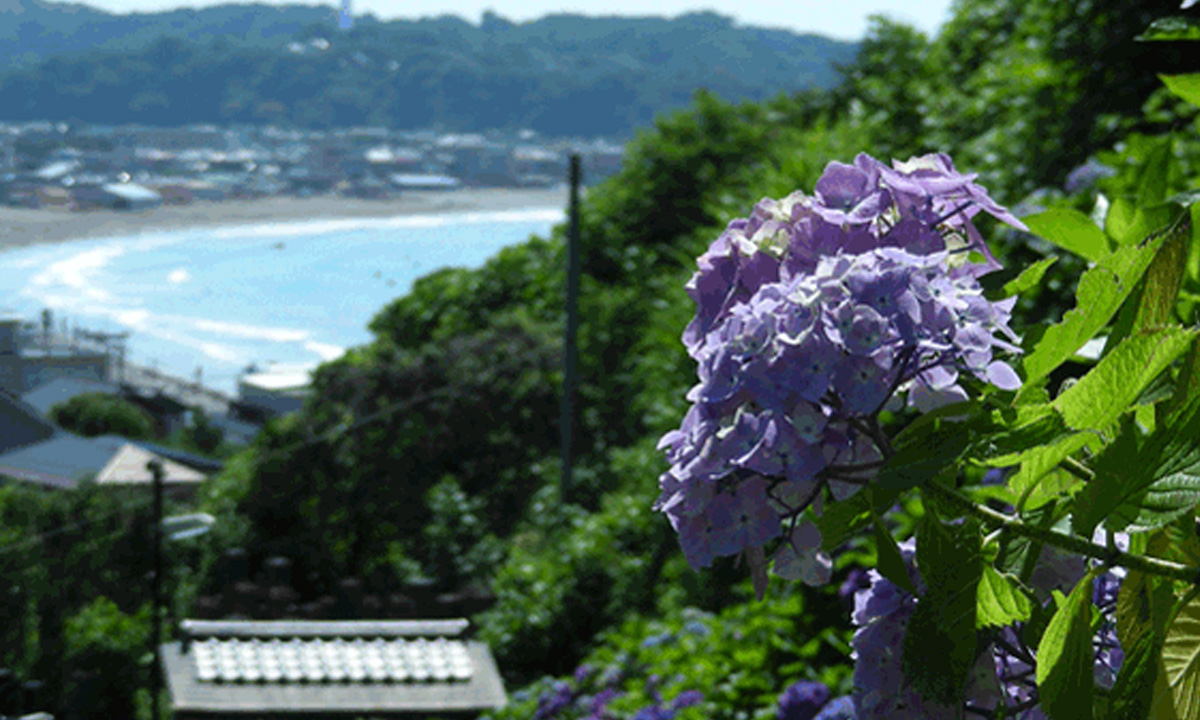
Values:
[(1110, 555)]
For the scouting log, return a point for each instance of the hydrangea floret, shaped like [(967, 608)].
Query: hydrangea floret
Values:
[(811, 315)]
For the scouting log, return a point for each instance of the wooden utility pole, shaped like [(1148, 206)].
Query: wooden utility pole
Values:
[(572, 328), (156, 469)]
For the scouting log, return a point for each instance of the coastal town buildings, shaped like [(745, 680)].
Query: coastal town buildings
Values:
[(132, 168)]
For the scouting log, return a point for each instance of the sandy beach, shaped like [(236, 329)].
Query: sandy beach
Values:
[(20, 227)]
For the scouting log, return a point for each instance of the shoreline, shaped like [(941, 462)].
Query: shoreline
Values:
[(22, 227)]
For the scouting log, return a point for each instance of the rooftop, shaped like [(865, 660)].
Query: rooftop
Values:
[(381, 668)]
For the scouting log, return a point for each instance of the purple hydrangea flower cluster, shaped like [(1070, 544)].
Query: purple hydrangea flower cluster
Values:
[(1005, 675), (809, 700), (811, 314), (839, 708), (802, 700)]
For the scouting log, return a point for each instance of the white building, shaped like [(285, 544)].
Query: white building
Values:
[(278, 390)]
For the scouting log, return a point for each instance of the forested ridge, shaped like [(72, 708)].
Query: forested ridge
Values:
[(259, 64), (431, 452)]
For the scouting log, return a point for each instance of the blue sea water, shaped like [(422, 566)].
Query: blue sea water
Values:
[(220, 299)]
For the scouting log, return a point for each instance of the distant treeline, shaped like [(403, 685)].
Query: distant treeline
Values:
[(560, 75)]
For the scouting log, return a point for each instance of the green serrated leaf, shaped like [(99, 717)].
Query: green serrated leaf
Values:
[(923, 456), (1133, 692), (1165, 276), (889, 561), (1037, 481), (1019, 554), (1153, 301), (1107, 489), (1187, 386), (1064, 667), (1165, 501), (1029, 278), (1013, 432), (1148, 222), (846, 517), (1107, 390), (1183, 546), (1144, 602), (1070, 230), (1155, 176), (1185, 86), (1120, 220), (1147, 483), (1181, 661), (1000, 602), (1102, 289), (940, 643)]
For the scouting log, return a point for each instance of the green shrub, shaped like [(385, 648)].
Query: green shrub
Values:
[(92, 414), (103, 651)]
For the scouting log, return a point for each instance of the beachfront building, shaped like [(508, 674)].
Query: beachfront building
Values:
[(415, 181), (29, 359), (115, 196)]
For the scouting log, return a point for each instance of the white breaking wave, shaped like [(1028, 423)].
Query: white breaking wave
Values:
[(79, 272), (326, 227)]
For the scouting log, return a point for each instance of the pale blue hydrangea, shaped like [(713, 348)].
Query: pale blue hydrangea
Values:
[(812, 314)]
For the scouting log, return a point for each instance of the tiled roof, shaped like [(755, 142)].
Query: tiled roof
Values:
[(360, 667), (319, 660)]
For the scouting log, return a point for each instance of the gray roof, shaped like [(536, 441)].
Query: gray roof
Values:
[(60, 461), (388, 668), (58, 390), (21, 424)]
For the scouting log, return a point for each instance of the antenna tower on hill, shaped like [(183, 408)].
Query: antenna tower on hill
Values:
[(345, 19)]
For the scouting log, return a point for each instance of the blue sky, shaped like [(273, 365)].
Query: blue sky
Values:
[(843, 19)]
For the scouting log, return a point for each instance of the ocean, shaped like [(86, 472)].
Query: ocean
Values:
[(221, 299)]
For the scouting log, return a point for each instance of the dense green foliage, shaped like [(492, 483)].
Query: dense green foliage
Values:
[(432, 450), (561, 75), (92, 414), (75, 574)]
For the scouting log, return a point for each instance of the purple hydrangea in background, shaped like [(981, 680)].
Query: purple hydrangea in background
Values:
[(552, 702), (802, 700), (687, 698), (1087, 175), (857, 579), (811, 315), (1005, 674), (839, 708)]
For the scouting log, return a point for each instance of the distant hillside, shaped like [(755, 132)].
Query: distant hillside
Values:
[(562, 74), (33, 30)]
